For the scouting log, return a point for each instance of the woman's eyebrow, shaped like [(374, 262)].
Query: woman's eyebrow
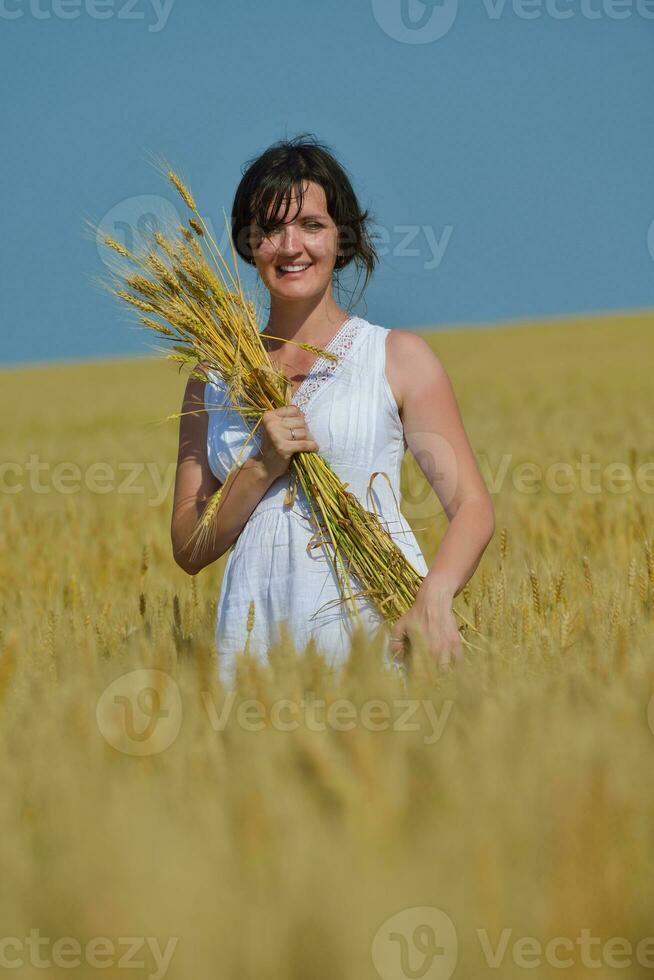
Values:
[(304, 217)]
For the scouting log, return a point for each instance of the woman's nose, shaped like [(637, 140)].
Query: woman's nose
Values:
[(290, 239)]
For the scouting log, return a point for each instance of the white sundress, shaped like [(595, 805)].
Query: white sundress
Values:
[(351, 411)]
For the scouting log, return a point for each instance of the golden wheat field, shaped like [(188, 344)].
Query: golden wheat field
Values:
[(494, 820)]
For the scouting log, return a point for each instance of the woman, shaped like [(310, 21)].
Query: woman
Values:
[(296, 218)]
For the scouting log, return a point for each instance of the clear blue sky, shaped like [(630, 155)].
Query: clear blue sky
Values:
[(521, 146)]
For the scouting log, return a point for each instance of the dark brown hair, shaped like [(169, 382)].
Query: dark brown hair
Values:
[(278, 174)]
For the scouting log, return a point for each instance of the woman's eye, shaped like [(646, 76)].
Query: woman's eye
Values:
[(310, 225)]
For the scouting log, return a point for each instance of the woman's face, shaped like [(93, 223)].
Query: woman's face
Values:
[(296, 259)]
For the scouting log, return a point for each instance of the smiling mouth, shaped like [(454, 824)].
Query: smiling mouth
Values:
[(293, 269)]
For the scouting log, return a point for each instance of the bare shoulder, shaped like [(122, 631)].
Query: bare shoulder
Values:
[(197, 379), (200, 372), (411, 363)]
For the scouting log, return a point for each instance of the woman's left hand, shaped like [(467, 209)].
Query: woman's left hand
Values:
[(432, 618)]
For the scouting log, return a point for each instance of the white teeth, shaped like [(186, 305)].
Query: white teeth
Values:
[(293, 268)]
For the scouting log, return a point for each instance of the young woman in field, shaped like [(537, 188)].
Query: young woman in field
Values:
[(296, 218)]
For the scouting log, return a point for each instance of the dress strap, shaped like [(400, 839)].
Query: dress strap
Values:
[(323, 368)]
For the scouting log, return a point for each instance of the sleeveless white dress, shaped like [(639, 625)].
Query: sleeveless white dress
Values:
[(351, 411)]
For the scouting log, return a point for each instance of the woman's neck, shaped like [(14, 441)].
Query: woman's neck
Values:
[(304, 323)]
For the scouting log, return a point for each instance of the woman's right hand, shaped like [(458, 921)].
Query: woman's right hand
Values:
[(277, 446)]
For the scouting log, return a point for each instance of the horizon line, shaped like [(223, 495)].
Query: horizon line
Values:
[(512, 322)]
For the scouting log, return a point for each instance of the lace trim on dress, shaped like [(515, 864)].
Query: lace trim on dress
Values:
[(322, 368)]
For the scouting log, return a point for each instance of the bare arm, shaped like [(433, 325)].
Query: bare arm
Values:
[(436, 436), (195, 482)]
